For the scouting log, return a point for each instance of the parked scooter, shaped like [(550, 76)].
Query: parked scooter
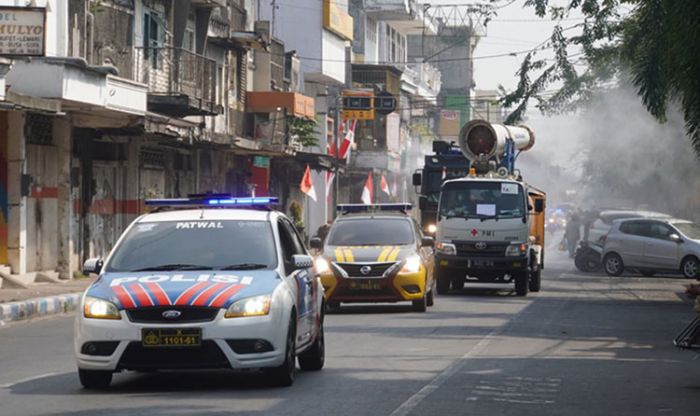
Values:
[(588, 257)]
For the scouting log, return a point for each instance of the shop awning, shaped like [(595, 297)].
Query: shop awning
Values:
[(296, 104)]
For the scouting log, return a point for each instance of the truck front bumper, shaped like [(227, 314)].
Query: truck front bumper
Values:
[(466, 263)]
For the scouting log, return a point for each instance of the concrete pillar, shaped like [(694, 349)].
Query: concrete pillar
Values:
[(16, 168), (66, 264)]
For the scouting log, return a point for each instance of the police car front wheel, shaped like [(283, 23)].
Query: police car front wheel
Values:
[(95, 379), (283, 376)]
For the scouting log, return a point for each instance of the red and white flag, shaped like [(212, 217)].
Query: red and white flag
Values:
[(348, 139), (384, 185), (307, 185), (368, 190)]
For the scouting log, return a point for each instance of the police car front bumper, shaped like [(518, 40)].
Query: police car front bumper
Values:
[(225, 343)]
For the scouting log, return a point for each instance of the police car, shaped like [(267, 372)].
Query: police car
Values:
[(376, 253), (203, 286)]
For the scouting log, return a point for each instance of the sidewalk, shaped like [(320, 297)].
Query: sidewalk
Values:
[(41, 299)]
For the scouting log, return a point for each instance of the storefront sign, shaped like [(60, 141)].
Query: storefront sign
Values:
[(336, 19), (22, 31), (261, 162)]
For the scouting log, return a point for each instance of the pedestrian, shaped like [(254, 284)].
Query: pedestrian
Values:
[(573, 233), (322, 231)]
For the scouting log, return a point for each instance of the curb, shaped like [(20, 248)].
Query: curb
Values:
[(32, 308)]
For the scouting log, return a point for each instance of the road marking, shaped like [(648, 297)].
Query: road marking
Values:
[(24, 380), (412, 402)]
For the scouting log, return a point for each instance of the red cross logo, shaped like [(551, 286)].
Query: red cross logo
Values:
[(475, 232)]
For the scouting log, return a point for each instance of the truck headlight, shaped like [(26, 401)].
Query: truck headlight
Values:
[(446, 248), (95, 308), (516, 250), (255, 306), (411, 265), (432, 228), (322, 265)]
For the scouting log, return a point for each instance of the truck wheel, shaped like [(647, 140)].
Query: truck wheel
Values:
[(521, 283), (535, 280), (95, 379), (442, 281)]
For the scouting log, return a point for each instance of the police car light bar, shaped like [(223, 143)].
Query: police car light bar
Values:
[(218, 200), (350, 208)]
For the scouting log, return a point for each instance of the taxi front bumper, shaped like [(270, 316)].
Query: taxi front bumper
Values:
[(225, 343)]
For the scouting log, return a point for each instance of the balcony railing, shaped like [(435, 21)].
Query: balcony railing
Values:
[(170, 71)]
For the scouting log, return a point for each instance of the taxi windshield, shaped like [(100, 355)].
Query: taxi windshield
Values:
[(195, 245), (371, 232), (482, 200)]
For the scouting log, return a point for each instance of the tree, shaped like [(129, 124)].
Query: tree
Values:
[(651, 42)]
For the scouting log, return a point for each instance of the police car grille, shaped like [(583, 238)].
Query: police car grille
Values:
[(188, 314), (377, 269), (492, 249), (207, 355)]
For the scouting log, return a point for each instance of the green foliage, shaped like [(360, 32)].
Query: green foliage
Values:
[(652, 42), (295, 212), (304, 130)]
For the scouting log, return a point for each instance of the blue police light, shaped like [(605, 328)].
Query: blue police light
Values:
[(217, 200), (351, 208)]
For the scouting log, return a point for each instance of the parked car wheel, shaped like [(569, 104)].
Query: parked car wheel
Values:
[(613, 264), (689, 267)]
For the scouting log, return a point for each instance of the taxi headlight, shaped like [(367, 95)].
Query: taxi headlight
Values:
[(411, 265), (514, 250), (446, 248), (100, 309), (432, 228), (255, 306), (322, 265)]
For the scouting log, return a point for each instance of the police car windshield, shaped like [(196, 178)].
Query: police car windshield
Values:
[(475, 199), (371, 232), (194, 245)]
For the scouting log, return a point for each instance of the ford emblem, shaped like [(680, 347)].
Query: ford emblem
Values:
[(365, 270), (171, 314), (480, 245)]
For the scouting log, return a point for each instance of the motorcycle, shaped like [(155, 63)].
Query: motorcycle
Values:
[(588, 257)]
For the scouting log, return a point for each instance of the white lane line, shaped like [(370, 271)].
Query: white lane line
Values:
[(24, 380)]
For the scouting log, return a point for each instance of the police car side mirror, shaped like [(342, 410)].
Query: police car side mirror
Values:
[(427, 242), (302, 261), (316, 243), (92, 266)]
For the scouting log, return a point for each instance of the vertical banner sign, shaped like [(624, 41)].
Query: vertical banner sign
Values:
[(22, 31)]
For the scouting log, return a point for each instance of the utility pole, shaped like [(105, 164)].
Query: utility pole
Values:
[(274, 15)]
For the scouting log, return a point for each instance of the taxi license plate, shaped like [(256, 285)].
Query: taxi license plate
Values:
[(365, 285), (171, 337), (480, 263)]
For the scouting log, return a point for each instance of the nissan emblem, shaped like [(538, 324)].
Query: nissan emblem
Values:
[(365, 270)]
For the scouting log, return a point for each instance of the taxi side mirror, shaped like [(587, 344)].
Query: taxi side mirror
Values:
[(302, 261), (316, 243), (427, 242), (92, 266)]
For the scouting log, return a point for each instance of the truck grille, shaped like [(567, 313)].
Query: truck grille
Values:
[(376, 269), (481, 248), (188, 314)]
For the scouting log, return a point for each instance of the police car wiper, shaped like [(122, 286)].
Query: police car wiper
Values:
[(244, 266), (166, 267)]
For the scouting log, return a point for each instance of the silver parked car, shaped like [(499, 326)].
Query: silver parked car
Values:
[(652, 245)]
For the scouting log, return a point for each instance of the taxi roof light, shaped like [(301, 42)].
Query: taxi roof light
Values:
[(215, 200), (353, 208)]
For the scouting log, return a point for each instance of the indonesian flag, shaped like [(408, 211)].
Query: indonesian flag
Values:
[(307, 185), (348, 139), (384, 185), (368, 190)]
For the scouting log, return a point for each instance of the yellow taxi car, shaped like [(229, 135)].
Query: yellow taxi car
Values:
[(376, 253)]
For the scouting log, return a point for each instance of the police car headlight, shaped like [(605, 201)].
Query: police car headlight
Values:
[(446, 248), (514, 250), (255, 306), (322, 265), (411, 265), (100, 309)]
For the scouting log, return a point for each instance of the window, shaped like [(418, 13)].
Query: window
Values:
[(639, 228), (153, 35), (290, 244), (660, 231)]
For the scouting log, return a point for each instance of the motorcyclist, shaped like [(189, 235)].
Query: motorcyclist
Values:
[(573, 233)]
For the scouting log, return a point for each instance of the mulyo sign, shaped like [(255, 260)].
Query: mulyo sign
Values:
[(22, 31)]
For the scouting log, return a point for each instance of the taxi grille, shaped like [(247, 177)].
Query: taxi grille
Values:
[(481, 248), (208, 355), (188, 314), (376, 269)]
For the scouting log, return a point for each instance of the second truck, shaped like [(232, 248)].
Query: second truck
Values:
[(489, 224)]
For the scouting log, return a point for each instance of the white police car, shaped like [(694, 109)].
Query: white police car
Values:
[(204, 287)]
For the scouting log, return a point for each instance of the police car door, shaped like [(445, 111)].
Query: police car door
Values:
[(301, 280)]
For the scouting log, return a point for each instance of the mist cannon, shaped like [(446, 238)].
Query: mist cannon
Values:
[(481, 140)]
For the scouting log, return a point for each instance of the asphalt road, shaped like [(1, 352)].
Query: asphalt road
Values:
[(585, 345)]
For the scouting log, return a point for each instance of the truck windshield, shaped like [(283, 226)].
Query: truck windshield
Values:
[(475, 199), (195, 245)]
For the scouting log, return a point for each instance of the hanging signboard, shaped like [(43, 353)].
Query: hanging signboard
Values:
[(22, 31)]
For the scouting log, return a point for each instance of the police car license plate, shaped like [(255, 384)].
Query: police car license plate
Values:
[(171, 337), (365, 285)]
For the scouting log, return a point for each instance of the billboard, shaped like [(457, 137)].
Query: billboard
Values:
[(22, 31)]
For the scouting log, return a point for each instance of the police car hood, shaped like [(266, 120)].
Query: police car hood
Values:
[(202, 289), (368, 254)]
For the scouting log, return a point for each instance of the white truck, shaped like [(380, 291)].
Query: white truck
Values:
[(490, 224)]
